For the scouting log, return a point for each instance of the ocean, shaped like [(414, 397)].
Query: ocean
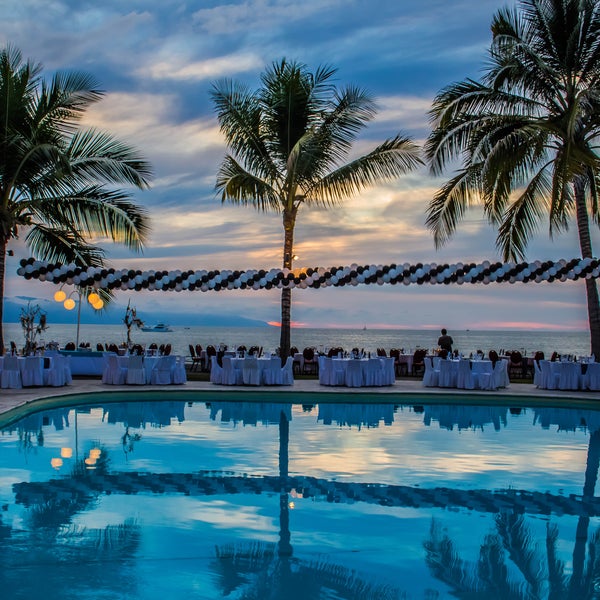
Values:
[(466, 341)]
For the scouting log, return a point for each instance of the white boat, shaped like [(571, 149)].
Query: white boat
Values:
[(158, 328)]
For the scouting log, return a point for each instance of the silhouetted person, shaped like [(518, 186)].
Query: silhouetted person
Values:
[(445, 341)]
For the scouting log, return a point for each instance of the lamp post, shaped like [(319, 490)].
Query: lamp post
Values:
[(69, 303)]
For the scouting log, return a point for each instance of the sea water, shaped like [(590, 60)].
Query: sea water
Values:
[(466, 341)]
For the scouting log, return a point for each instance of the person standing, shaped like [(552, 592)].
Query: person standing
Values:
[(445, 341)]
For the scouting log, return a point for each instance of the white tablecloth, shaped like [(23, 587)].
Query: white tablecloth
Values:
[(356, 372), (177, 371), (568, 376), (478, 374), (36, 371)]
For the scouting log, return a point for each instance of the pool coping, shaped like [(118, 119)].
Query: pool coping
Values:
[(15, 404)]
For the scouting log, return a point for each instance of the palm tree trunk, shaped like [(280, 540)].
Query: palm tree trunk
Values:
[(289, 222), (3, 245), (285, 536), (585, 243), (577, 587)]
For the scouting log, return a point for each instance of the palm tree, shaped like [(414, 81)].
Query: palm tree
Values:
[(527, 133), (53, 175), (288, 140)]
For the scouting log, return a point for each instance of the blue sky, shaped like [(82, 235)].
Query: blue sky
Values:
[(156, 62)]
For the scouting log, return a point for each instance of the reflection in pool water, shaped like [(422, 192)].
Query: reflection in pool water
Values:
[(267, 501)]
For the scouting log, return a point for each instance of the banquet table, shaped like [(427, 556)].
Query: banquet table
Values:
[(36, 371), (568, 375), (357, 372), (116, 371), (85, 362), (253, 372), (466, 374)]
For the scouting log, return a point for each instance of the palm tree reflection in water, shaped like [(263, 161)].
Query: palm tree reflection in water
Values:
[(270, 572), (543, 574), (514, 561)]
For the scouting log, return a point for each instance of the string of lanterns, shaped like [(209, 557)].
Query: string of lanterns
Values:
[(215, 280)]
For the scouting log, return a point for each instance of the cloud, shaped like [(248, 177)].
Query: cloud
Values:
[(182, 69)]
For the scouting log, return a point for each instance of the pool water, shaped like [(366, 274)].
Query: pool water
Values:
[(255, 500)]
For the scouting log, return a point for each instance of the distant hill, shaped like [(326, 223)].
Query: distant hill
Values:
[(57, 314)]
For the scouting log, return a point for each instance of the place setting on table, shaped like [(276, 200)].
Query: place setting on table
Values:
[(39, 370)]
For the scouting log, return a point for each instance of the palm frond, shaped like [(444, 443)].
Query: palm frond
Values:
[(63, 246), (522, 217), (95, 211), (240, 117), (98, 156), (389, 160), (237, 185), (450, 203)]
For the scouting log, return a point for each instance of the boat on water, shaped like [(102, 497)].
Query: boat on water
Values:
[(158, 328)]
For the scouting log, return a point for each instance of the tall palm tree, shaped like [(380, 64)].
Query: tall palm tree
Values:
[(527, 133), (54, 175), (288, 142)]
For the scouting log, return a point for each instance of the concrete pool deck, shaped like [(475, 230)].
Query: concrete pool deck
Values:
[(30, 399)]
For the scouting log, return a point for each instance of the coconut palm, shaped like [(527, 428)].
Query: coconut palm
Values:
[(54, 174), (527, 133), (288, 141)]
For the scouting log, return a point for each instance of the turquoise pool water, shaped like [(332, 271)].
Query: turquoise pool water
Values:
[(254, 500)]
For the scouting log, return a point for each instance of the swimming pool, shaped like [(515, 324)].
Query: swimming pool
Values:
[(235, 499)]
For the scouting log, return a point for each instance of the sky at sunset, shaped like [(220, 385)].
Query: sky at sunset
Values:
[(156, 62)]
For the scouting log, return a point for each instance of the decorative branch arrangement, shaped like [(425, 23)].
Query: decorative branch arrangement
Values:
[(33, 322), (131, 319)]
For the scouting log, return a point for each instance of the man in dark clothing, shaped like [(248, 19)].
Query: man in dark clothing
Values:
[(445, 341)]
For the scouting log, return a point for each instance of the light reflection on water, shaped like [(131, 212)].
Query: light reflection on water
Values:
[(336, 501)]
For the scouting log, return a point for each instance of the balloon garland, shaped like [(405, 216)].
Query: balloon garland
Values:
[(317, 277)]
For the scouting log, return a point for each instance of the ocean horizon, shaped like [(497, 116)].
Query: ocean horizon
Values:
[(466, 341)]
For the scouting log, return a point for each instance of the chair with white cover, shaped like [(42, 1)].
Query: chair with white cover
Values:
[(287, 372), (55, 375), (569, 377), (447, 374), (216, 371), (113, 373), (67, 370), (388, 370), (162, 372), (230, 375), (483, 372), (325, 370), (549, 380), (591, 379), (272, 372), (250, 371), (500, 378), (430, 376), (136, 374), (11, 373), (354, 373), (464, 375), (373, 372), (179, 372), (537, 374), (33, 371)]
